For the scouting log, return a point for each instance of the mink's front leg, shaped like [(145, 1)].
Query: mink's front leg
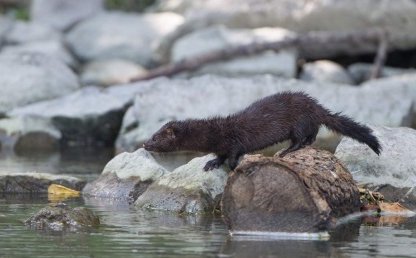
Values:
[(215, 163)]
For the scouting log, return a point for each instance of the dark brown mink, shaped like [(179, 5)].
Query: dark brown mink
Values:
[(283, 116)]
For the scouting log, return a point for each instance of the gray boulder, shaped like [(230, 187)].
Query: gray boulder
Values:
[(52, 48), (34, 182), (24, 32), (90, 116), (281, 63), (187, 189), (360, 72), (31, 77), (126, 176), (395, 165), (29, 133), (163, 100), (6, 25), (325, 71), (397, 17), (60, 217), (110, 72), (111, 35), (62, 14)]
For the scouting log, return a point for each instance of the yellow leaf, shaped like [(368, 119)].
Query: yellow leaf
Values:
[(62, 190)]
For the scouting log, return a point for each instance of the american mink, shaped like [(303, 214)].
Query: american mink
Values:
[(284, 116)]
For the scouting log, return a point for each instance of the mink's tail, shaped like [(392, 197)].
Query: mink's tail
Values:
[(348, 127)]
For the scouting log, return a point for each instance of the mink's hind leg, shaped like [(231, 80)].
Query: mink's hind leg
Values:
[(296, 145), (215, 163)]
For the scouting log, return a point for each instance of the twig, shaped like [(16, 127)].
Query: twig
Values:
[(380, 58)]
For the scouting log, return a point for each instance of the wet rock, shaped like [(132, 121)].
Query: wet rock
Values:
[(28, 133), (281, 63), (163, 100), (325, 71), (395, 165), (24, 32), (52, 48), (33, 182), (31, 77), (126, 176), (111, 35), (306, 191), (187, 189), (397, 17), (90, 116), (60, 217), (110, 72), (62, 14), (361, 72)]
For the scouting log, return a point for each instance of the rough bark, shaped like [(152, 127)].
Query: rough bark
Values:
[(353, 42), (303, 192)]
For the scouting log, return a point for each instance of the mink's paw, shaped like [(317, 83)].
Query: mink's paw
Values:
[(212, 164)]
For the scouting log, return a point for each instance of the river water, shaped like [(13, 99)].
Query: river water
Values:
[(128, 232)]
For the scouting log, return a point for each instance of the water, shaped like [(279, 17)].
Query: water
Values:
[(128, 232)]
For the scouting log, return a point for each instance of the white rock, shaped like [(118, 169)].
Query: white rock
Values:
[(360, 72), (325, 71), (23, 32), (395, 165), (119, 35)]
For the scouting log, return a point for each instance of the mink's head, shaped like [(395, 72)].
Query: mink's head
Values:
[(167, 138)]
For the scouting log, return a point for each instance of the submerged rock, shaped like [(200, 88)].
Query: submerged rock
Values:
[(162, 100), (281, 63), (62, 14), (325, 71), (306, 191), (395, 165), (90, 116), (30, 77), (60, 217), (126, 176), (187, 189), (111, 35), (33, 182)]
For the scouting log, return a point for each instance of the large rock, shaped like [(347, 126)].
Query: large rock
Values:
[(32, 77), (397, 17), (60, 217), (52, 48), (163, 100), (6, 25), (187, 189), (29, 133), (361, 72), (24, 32), (110, 72), (111, 35), (395, 165), (35, 182), (325, 71), (90, 116), (126, 176), (278, 63), (62, 14)]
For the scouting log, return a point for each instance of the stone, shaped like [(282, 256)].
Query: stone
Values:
[(397, 17), (6, 25), (61, 217), (111, 35), (32, 77), (110, 72), (188, 189), (33, 182), (126, 176), (162, 100), (52, 48), (24, 32), (325, 71), (30, 133), (360, 72), (281, 63), (62, 14), (88, 117), (395, 165)]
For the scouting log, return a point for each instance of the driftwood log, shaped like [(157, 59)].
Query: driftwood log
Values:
[(352, 42), (303, 192)]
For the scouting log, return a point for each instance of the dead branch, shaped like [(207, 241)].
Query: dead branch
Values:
[(380, 58)]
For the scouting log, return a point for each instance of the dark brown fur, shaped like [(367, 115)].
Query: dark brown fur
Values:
[(284, 116)]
